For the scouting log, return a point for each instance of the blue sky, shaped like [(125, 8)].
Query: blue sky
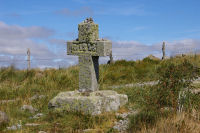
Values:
[(136, 28)]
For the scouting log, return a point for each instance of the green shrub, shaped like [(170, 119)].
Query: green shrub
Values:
[(173, 78)]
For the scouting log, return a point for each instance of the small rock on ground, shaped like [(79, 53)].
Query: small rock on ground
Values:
[(122, 125), (28, 108), (3, 118), (42, 132), (35, 97), (32, 124), (38, 115), (9, 101), (196, 91), (14, 127)]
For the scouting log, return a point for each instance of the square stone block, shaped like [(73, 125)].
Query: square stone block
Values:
[(95, 103), (88, 32)]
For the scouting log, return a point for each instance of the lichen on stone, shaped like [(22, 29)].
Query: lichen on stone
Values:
[(96, 103)]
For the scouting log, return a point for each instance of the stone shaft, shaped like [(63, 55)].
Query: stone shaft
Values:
[(88, 73)]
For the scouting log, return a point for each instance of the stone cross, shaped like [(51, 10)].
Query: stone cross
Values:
[(29, 58), (89, 47), (163, 50)]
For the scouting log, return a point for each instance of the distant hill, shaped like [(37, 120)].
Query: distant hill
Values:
[(152, 57)]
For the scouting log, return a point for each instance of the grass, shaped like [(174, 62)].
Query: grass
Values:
[(179, 123), (23, 84)]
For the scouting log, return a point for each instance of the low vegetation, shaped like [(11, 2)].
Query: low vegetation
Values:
[(172, 95), (169, 106)]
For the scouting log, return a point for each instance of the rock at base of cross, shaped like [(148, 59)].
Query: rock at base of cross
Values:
[(96, 103)]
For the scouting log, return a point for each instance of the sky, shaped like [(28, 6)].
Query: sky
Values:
[(137, 28)]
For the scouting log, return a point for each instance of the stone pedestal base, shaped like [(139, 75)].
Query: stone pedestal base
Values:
[(95, 103)]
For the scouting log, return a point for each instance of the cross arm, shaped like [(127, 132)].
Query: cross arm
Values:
[(94, 48)]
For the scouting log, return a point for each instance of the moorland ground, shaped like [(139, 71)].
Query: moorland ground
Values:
[(157, 104)]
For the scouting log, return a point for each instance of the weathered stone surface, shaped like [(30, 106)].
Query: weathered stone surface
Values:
[(88, 99), (163, 51), (94, 48), (28, 108), (96, 103), (88, 31), (89, 47), (37, 116), (3, 118), (122, 125), (15, 127), (32, 124), (88, 73), (9, 101), (36, 97), (42, 132)]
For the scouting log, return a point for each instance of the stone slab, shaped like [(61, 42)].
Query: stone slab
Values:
[(96, 103)]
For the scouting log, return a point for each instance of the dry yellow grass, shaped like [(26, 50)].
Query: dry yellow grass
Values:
[(179, 123)]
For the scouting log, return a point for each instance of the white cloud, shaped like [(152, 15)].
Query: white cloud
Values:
[(183, 46), (19, 32), (129, 50), (132, 50), (15, 40)]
